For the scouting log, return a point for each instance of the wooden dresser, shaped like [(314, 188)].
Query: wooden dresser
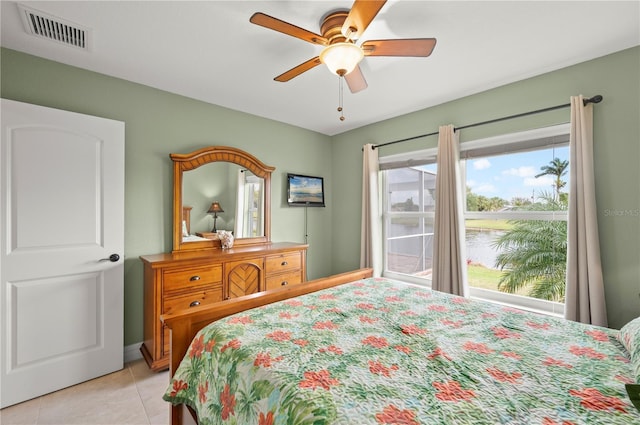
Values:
[(182, 280)]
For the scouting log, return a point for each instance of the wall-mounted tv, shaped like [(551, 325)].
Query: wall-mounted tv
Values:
[(305, 191)]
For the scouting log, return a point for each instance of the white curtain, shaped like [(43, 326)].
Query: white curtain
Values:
[(449, 268), (239, 227), (371, 227), (584, 295)]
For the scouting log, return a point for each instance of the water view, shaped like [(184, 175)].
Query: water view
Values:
[(480, 247), (412, 253)]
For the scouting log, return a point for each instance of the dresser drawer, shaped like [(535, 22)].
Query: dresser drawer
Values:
[(284, 262), (190, 279), (212, 294), (284, 279), (209, 295)]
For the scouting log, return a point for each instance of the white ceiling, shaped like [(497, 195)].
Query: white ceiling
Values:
[(208, 50)]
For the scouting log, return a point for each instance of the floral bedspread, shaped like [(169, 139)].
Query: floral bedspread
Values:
[(378, 351)]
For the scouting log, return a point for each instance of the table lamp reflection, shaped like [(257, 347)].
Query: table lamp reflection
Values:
[(215, 209)]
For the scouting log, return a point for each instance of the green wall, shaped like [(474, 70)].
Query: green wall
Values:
[(158, 123), (616, 152)]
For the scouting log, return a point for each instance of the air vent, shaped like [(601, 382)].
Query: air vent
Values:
[(53, 28)]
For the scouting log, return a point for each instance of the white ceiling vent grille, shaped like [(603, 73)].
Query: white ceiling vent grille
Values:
[(53, 28)]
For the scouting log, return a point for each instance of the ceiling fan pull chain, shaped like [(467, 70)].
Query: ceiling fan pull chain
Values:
[(340, 102)]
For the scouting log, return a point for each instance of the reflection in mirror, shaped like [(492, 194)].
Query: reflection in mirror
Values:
[(250, 204), (239, 182), (239, 192)]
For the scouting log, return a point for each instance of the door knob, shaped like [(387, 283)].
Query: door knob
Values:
[(113, 258)]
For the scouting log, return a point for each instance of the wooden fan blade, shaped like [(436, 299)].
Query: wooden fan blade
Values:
[(403, 47), (287, 28), (361, 14), (294, 72), (355, 80)]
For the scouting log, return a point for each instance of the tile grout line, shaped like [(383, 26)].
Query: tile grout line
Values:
[(39, 410), (135, 382)]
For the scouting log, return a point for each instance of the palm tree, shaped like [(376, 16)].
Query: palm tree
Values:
[(557, 168), (533, 253)]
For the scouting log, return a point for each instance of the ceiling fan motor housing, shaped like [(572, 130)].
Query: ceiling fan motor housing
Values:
[(331, 26)]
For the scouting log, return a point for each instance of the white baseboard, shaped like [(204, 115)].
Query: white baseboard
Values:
[(132, 352)]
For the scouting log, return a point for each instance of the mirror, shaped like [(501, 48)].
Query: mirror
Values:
[(237, 181), (238, 195)]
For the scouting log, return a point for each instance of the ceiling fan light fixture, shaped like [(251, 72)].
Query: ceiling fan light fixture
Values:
[(341, 58)]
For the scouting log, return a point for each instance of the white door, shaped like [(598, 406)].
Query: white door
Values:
[(62, 213)]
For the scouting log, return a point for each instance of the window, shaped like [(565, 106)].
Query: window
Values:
[(516, 192), (409, 220), (516, 197), (409, 205)]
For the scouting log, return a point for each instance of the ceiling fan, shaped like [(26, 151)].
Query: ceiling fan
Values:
[(340, 31)]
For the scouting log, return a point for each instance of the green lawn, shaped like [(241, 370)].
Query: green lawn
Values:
[(483, 224), (488, 224), (483, 277)]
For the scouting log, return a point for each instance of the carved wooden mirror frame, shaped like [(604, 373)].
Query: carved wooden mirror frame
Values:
[(190, 161)]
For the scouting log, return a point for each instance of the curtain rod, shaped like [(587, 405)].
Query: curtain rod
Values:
[(595, 99)]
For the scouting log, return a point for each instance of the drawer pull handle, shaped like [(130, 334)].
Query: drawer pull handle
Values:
[(284, 263), (284, 283), (194, 278), (194, 304)]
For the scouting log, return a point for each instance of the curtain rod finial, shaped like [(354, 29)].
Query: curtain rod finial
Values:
[(595, 99)]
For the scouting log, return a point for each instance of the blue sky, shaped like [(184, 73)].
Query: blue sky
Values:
[(513, 175)]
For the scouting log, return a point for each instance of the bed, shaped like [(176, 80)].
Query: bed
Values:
[(186, 227), (352, 349)]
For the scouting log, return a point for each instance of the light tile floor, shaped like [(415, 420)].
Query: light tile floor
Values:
[(131, 396)]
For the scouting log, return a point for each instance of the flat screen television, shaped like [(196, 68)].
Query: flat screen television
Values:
[(305, 191)]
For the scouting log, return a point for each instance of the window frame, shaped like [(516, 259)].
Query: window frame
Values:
[(405, 160), (556, 135)]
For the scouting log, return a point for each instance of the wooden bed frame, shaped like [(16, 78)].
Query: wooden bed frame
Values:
[(186, 217), (185, 324)]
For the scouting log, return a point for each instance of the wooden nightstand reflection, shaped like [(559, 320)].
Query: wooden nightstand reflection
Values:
[(208, 235)]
